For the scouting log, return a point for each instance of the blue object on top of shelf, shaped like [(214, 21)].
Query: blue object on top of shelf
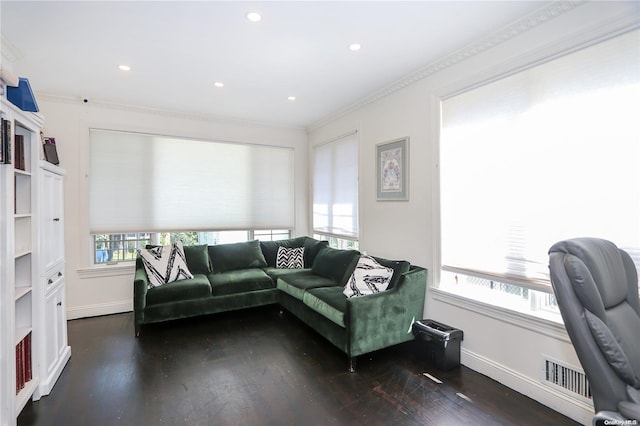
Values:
[(22, 96)]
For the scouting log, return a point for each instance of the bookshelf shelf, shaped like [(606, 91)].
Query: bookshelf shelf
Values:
[(23, 253), (21, 333), (21, 292)]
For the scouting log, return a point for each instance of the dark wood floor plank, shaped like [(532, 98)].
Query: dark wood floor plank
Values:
[(256, 367)]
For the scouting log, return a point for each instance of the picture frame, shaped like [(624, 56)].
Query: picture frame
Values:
[(50, 151), (392, 170)]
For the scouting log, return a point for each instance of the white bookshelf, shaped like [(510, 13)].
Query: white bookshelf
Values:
[(21, 304)]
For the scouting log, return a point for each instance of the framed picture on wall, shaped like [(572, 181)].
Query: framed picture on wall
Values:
[(392, 170)]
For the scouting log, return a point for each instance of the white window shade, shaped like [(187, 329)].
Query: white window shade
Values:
[(335, 187), (149, 183), (546, 154)]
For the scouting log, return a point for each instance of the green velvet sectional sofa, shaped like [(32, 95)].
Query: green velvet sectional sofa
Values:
[(242, 275)]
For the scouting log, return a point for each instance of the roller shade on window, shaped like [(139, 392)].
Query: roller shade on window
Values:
[(546, 154), (140, 182), (335, 187)]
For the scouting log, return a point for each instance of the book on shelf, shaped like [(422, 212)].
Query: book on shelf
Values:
[(24, 371), (28, 372), (19, 152), (6, 141)]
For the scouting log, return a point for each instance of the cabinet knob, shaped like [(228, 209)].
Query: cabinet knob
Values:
[(59, 274), (59, 303), (50, 281), (56, 219)]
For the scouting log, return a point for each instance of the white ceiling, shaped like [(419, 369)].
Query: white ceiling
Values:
[(177, 50)]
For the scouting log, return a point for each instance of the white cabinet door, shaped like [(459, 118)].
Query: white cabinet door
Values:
[(53, 219), (56, 330)]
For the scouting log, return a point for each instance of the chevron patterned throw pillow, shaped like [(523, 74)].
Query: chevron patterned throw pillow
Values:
[(290, 258), (165, 264), (369, 277)]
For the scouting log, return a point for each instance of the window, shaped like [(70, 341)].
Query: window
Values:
[(335, 189), (150, 183), (114, 248), (540, 156), (338, 243)]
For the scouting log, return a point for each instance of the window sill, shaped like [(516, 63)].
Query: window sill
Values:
[(101, 271), (548, 327)]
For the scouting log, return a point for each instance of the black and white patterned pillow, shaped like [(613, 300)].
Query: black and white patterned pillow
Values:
[(369, 277), (290, 258), (165, 264)]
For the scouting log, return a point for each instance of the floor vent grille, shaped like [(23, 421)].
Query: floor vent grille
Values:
[(569, 379)]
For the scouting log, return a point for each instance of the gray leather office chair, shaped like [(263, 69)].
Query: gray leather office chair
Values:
[(596, 286)]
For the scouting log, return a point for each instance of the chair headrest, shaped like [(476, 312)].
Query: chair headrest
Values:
[(595, 265)]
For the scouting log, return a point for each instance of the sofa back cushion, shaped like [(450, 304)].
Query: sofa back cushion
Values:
[(231, 257), (311, 249), (399, 267), (335, 264), (198, 259)]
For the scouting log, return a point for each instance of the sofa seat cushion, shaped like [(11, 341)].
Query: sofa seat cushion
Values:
[(193, 288), (240, 281), (276, 273), (329, 302), (296, 284)]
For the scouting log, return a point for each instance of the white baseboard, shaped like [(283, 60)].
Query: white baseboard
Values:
[(99, 309), (46, 384), (533, 388)]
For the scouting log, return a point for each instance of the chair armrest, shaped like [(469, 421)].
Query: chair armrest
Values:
[(384, 319)]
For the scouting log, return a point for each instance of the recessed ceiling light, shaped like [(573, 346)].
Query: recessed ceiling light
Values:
[(124, 67), (291, 98), (354, 47), (254, 17), (218, 84)]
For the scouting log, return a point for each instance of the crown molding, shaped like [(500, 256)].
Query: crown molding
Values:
[(163, 112), (534, 19)]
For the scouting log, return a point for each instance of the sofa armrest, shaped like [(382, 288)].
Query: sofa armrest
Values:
[(384, 319), (140, 285)]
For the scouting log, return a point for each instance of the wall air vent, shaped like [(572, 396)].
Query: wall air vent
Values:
[(570, 380)]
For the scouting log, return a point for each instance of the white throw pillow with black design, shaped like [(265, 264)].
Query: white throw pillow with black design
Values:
[(290, 258), (369, 277), (165, 264)]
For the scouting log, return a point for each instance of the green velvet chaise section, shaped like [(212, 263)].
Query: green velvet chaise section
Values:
[(368, 323)]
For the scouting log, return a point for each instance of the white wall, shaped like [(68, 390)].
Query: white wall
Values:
[(497, 343), (105, 290)]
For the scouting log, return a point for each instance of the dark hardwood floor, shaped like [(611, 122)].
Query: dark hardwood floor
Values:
[(255, 367)]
